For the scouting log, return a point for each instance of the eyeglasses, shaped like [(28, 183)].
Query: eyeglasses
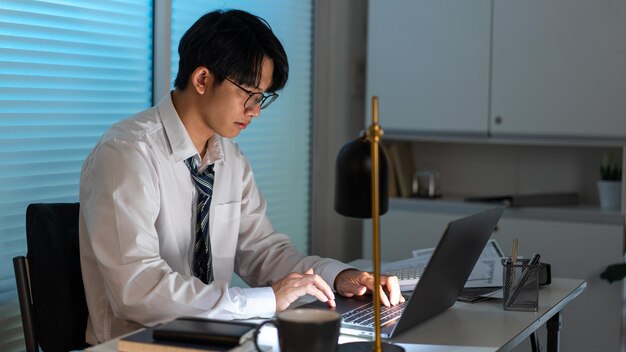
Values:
[(263, 99)]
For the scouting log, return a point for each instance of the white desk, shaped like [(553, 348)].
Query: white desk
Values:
[(467, 327), (487, 325)]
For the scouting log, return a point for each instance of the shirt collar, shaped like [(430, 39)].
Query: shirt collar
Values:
[(180, 143), (214, 151)]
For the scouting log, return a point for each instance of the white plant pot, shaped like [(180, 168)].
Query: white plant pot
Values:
[(610, 193)]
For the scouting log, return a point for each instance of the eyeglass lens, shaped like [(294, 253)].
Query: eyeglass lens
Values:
[(261, 99)]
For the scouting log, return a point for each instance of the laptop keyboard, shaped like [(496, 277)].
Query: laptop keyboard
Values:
[(364, 315)]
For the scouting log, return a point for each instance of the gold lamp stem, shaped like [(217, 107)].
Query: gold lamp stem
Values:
[(375, 133), (373, 136)]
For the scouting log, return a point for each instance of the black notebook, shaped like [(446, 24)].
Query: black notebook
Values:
[(206, 331), (189, 334)]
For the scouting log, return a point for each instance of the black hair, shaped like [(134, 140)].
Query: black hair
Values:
[(231, 44)]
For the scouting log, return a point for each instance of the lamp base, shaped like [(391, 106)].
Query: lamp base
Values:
[(367, 346)]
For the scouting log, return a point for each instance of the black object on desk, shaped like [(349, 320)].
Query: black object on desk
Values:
[(143, 341), (527, 283), (193, 334), (204, 331)]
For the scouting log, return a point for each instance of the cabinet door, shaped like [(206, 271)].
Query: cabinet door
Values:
[(428, 62), (559, 68)]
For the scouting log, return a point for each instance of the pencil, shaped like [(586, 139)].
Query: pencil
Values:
[(514, 251)]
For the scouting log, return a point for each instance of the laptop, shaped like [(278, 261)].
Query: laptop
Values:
[(438, 288)]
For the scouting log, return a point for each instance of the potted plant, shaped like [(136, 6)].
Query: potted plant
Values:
[(610, 191), (610, 183)]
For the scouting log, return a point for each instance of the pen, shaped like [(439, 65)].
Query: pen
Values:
[(534, 259), (514, 251), (514, 257)]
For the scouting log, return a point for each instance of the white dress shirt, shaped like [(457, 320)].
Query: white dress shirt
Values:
[(137, 219)]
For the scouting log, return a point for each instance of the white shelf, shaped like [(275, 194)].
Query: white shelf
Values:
[(576, 213), (504, 139)]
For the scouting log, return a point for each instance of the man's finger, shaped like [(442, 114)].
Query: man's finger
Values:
[(317, 293), (393, 287), (360, 291), (383, 297), (317, 287), (323, 286)]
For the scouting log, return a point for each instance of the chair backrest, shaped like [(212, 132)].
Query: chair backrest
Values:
[(59, 310)]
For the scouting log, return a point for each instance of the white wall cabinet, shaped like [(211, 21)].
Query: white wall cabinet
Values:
[(579, 250), (517, 68), (428, 61), (559, 68)]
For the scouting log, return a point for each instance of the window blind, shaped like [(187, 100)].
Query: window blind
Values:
[(68, 70), (278, 143)]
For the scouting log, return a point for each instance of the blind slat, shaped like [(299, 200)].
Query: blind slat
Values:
[(68, 70)]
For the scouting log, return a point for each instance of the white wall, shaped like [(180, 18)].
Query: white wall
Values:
[(338, 115)]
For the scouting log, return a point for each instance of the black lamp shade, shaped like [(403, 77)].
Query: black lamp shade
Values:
[(353, 180)]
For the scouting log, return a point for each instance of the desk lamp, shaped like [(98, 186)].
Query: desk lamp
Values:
[(361, 191)]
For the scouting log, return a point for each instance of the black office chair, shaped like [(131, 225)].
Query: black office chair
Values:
[(49, 282)]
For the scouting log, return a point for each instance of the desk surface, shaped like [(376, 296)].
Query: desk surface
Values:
[(477, 327), (487, 325)]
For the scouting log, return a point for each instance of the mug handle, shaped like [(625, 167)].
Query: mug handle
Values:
[(258, 330)]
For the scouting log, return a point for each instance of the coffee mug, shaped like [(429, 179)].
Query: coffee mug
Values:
[(305, 330)]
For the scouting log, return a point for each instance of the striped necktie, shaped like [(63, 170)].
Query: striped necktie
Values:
[(202, 266)]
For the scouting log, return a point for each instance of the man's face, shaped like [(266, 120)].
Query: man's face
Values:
[(223, 106)]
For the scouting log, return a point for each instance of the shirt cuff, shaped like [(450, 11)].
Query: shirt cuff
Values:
[(260, 302)]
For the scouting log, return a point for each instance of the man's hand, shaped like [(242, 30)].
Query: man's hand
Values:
[(352, 282), (296, 285)]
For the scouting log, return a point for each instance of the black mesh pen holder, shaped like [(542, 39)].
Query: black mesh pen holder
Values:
[(520, 286)]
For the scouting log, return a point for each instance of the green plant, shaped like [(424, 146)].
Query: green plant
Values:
[(611, 168)]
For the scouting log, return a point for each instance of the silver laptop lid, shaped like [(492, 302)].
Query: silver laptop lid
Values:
[(449, 268)]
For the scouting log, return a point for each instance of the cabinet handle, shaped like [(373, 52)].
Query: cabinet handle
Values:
[(498, 120)]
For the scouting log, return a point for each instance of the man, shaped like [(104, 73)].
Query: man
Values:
[(170, 208)]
